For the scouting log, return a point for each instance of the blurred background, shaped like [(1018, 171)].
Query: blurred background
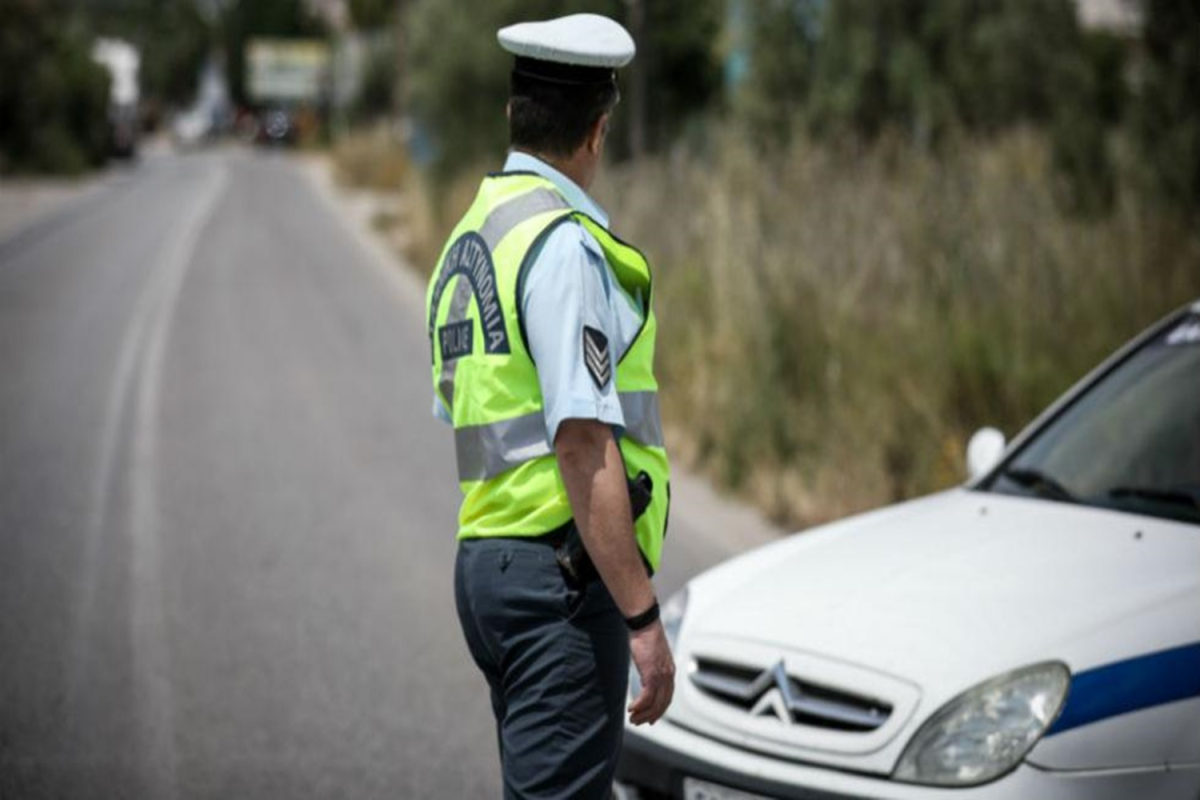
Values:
[(877, 225), (226, 516)]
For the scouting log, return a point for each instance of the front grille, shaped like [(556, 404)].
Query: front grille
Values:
[(773, 693)]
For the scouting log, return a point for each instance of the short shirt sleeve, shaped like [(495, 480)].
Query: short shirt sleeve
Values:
[(572, 329), (440, 411)]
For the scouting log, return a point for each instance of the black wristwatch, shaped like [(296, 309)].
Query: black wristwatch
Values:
[(644, 619)]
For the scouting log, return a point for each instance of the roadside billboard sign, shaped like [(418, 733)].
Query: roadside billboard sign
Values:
[(287, 70)]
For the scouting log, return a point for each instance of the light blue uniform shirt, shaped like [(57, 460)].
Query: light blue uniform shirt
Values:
[(570, 285)]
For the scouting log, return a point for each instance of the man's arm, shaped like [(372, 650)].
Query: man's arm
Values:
[(594, 474)]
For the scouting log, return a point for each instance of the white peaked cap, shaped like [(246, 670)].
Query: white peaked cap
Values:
[(584, 40)]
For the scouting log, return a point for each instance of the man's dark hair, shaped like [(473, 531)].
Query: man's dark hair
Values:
[(551, 113)]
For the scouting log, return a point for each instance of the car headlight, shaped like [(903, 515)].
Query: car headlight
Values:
[(671, 613), (986, 731)]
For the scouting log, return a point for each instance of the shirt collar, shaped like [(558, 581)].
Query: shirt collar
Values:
[(577, 197)]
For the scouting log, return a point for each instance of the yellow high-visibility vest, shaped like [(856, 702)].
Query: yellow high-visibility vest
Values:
[(483, 373)]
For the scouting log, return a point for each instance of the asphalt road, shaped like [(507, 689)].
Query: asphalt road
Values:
[(226, 516)]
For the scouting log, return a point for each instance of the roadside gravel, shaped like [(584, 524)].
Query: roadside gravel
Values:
[(24, 201)]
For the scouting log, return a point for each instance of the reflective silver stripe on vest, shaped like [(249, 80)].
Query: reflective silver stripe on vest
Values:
[(485, 451), (511, 213), (642, 421), (498, 224)]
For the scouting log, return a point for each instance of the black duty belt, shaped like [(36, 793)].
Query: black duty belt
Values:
[(572, 557)]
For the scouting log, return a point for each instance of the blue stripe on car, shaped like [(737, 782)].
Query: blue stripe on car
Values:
[(1131, 685)]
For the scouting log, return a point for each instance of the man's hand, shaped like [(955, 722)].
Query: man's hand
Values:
[(594, 475), (656, 669)]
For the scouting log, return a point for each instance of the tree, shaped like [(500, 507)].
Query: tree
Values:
[(372, 14), (458, 74), (173, 37), (55, 115), (378, 88), (678, 53), (853, 69), (781, 51), (245, 20), (1166, 112), (924, 66)]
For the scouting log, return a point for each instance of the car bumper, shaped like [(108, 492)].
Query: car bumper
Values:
[(658, 761)]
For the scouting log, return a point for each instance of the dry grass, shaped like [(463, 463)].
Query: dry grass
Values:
[(834, 327), (371, 159), (375, 162)]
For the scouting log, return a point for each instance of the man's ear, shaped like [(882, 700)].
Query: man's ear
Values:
[(508, 110), (595, 140)]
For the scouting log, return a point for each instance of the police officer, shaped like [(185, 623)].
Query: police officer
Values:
[(542, 338)]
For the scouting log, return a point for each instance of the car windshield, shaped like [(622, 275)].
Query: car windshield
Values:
[(1131, 442)]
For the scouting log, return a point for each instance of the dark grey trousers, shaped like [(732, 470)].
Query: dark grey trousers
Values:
[(557, 663)]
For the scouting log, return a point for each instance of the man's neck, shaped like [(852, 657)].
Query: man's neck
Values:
[(572, 167)]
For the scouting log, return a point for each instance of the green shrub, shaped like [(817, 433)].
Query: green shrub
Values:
[(1166, 109), (55, 115), (834, 328)]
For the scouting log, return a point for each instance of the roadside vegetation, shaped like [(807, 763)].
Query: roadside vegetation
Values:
[(834, 327), (371, 158), (53, 98), (903, 221)]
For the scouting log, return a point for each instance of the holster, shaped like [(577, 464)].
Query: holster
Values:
[(572, 557)]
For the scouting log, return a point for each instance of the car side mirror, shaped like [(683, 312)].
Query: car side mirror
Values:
[(984, 451)]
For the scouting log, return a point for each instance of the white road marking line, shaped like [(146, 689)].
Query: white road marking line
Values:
[(80, 661), (151, 654), (102, 490), (142, 358)]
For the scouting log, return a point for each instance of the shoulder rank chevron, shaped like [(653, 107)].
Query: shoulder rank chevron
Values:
[(595, 355)]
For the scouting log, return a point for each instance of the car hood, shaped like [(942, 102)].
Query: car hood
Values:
[(950, 590)]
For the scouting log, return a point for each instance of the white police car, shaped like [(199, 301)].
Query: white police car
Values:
[(1033, 634)]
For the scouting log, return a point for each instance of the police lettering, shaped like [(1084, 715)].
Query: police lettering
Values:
[(457, 340), (470, 258)]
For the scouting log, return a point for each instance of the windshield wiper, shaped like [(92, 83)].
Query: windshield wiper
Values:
[(1172, 496), (1041, 483)]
